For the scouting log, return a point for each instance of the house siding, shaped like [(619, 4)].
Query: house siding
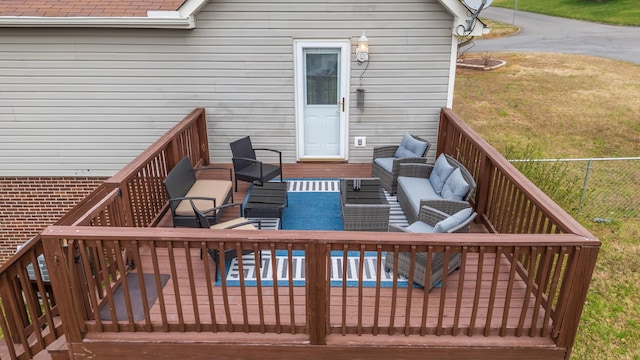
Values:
[(84, 102)]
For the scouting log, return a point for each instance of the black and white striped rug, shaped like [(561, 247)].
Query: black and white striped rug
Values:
[(297, 271)]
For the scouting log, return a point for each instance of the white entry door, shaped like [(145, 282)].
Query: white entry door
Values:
[(321, 76)]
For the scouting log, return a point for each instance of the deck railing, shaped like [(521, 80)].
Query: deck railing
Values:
[(507, 202), (133, 197), (534, 297), (29, 320), (542, 296)]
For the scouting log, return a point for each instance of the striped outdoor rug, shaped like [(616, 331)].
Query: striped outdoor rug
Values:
[(297, 270), (322, 185), (396, 217)]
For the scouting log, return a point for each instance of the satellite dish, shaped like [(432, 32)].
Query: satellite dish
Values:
[(477, 5), (474, 7)]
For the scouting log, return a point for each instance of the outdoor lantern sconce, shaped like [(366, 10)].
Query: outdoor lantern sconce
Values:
[(362, 52)]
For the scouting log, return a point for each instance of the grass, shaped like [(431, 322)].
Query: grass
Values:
[(569, 105), (572, 106), (618, 12), (499, 29)]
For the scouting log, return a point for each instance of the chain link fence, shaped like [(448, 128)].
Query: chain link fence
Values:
[(602, 189)]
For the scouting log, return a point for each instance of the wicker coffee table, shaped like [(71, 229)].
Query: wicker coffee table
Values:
[(266, 201), (364, 205)]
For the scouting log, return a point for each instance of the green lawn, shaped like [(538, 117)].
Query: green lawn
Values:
[(573, 106), (619, 12)]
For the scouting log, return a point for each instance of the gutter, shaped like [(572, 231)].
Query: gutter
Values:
[(183, 18), (98, 22)]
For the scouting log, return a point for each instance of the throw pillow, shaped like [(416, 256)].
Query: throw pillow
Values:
[(455, 187), (440, 173), (453, 221), (410, 147)]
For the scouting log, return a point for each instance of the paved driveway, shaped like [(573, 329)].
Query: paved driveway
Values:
[(542, 33)]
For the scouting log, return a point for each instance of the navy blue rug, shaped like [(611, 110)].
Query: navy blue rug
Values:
[(312, 211)]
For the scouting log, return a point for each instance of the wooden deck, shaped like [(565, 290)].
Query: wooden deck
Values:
[(525, 272), (396, 300), (193, 303)]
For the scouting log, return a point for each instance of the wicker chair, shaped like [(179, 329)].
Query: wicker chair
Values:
[(428, 223), (387, 160), (247, 168), (237, 223)]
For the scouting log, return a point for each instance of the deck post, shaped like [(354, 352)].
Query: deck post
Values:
[(576, 296), (442, 133), (201, 138), (316, 270), (483, 191), (61, 284)]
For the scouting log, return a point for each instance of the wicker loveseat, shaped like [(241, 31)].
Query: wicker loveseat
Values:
[(445, 185), (210, 196)]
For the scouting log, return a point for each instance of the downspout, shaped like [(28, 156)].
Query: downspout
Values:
[(453, 61)]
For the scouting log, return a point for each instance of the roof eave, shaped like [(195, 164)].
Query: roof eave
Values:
[(183, 18), (191, 7), (100, 22)]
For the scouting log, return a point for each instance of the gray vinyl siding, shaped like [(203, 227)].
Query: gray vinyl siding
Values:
[(87, 101)]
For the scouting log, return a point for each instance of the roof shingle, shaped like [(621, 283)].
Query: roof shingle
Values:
[(88, 8)]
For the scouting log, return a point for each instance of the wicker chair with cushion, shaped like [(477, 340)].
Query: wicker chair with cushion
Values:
[(246, 167), (431, 221), (237, 223), (387, 159)]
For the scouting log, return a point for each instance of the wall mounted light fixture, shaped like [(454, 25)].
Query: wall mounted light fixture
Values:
[(362, 52)]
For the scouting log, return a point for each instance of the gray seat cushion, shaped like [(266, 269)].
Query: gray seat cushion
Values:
[(385, 163), (456, 187), (417, 189)]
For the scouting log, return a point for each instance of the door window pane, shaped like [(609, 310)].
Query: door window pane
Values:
[(322, 79)]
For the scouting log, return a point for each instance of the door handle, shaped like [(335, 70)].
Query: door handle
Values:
[(342, 103)]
